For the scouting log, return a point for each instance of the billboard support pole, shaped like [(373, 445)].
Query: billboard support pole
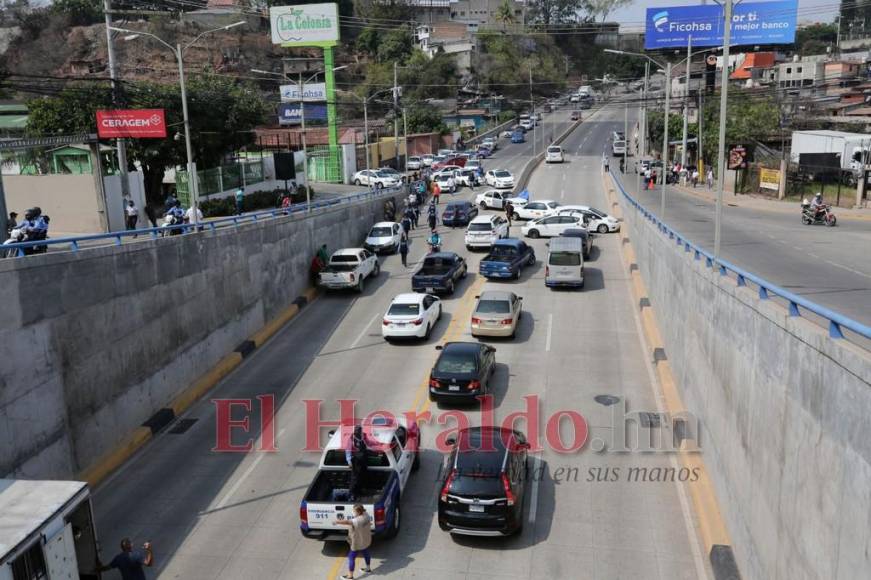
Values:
[(192, 168), (721, 154), (686, 105), (308, 201), (665, 138), (333, 174)]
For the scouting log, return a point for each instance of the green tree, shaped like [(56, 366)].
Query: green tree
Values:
[(602, 8), (505, 14), (368, 41), (423, 119), (549, 12), (814, 39), (79, 12), (222, 115), (396, 46)]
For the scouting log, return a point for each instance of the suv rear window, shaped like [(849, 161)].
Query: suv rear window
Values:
[(480, 227), (480, 487), (554, 150)]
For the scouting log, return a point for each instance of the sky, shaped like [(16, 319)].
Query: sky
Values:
[(809, 11)]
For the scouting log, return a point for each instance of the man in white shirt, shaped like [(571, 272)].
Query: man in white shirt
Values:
[(189, 216), (131, 214)]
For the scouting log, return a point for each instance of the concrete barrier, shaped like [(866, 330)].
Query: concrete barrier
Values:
[(97, 344), (781, 408)]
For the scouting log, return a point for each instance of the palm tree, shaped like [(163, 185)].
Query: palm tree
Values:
[(505, 14)]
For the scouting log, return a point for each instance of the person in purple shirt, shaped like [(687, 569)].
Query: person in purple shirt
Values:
[(130, 562)]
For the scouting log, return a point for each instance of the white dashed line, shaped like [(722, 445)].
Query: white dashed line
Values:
[(363, 332), (549, 329)]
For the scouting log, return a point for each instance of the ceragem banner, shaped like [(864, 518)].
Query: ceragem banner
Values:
[(131, 124), (752, 23)]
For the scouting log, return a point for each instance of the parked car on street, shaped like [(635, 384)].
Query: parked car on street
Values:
[(565, 263), (413, 164), (446, 181), (375, 178), (492, 199), (550, 226), (587, 239), (535, 209), (426, 159), (348, 268), (499, 178), (597, 220)]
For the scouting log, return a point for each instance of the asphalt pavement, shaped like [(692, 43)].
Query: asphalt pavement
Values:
[(235, 515)]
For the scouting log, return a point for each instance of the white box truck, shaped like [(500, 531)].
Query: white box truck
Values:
[(852, 148), (47, 531)]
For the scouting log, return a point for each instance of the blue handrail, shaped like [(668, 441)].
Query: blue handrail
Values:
[(837, 322), (212, 225)]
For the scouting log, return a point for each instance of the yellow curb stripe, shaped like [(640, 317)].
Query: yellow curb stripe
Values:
[(113, 459), (712, 528), (274, 325), (203, 384)]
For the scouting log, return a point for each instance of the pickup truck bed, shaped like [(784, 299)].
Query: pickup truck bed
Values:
[(328, 483)]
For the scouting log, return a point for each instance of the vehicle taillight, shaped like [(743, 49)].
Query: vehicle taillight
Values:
[(385, 322), (379, 516), (434, 383), (547, 270), (447, 486), (473, 384), (509, 495), (417, 322), (476, 320), (303, 514), (507, 320)]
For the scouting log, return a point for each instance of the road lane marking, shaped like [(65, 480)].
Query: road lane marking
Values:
[(363, 332), (235, 487), (549, 329)]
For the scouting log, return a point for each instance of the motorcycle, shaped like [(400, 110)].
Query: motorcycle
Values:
[(434, 248), (822, 215)]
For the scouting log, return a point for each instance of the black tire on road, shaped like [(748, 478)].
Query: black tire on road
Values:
[(395, 524), (602, 229), (533, 234)]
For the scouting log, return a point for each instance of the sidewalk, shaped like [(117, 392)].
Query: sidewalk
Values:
[(758, 203)]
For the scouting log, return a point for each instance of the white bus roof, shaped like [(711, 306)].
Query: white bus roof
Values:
[(26, 506)]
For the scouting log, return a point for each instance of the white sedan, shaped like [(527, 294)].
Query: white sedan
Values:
[(376, 178), (499, 178), (383, 237), (446, 181), (535, 209), (413, 164), (492, 199), (411, 316), (598, 221), (553, 225)]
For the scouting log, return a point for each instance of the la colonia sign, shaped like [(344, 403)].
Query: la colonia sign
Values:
[(305, 24)]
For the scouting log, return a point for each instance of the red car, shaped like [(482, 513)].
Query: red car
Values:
[(457, 160)]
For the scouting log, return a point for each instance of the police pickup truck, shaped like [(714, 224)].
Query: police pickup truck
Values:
[(392, 454)]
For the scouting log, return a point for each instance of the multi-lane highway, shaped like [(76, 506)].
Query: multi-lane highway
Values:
[(235, 515), (829, 266)]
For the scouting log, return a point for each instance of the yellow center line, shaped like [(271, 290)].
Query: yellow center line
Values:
[(455, 329)]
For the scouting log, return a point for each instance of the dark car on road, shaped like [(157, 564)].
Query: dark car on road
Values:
[(484, 482), (439, 273), (586, 238), (506, 258), (462, 371), (459, 213)]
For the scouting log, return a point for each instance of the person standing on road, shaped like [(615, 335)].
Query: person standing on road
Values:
[(436, 192), (710, 178), (323, 254), (356, 458), (509, 211), (130, 562), (406, 224), (695, 176), (403, 250), (359, 537), (240, 198), (131, 215)]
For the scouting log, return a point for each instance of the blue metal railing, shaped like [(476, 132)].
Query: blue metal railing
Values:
[(117, 238), (836, 322)]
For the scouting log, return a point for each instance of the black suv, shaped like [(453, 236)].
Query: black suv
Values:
[(484, 483)]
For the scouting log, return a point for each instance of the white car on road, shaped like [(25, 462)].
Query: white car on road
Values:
[(426, 160), (484, 230), (413, 163), (375, 178), (446, 181), (383, 237), (554, 154), (411, 315), (536, 209), (499, 178), (492, 199), (552, 225), (598, 221)]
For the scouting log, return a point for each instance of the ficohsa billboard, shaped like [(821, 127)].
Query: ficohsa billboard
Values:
[(752, 23)]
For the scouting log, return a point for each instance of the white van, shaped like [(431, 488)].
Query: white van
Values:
[(554, 154), (618, 148), (565, 263)]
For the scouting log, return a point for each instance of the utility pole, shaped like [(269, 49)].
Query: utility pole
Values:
[(532, 107), (300, 88), (625, 137), (686, 104), (120, 144), (665, 139), (396, 112), (642, 126), (366, 130), (405, 138), (193, 181), (699, 162), (721, 154)]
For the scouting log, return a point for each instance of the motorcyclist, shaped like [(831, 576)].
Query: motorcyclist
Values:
[(435, 241), (174, 216), (817, 205)]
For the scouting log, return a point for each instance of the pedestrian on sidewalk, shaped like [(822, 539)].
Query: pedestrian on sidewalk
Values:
[(131, 215), (11, 223), (403, 250), (406, 224), (436, 192), (695, 178), (359, 537), (323, 254), (130, 562), (509, 211), (710, 178), (240, 198)]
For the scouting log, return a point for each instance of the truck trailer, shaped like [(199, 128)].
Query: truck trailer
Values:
[(852, 150)]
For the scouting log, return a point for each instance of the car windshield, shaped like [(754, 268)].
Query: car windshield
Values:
[(493, 307), (398, 309), (384, 174), (565, 259), (502, 174), (381, 232), (456, 362), (455, 209), (480, 227)]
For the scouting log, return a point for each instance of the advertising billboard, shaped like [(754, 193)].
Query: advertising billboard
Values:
[(753, 23), (131, 124), (291, 113), (311, 92), (304, 25)]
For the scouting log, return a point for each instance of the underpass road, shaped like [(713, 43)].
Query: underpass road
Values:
[(235, 515)]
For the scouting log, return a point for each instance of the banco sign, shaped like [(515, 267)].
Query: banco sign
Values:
[(304, 25), (753, 23), (131, 124)]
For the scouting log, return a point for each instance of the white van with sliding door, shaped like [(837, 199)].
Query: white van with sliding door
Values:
[(565, 263)]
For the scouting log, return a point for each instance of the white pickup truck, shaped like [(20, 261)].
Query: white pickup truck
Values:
[(392, 454), (348, 268)]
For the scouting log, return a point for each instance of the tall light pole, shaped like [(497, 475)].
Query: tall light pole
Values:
[(721, 155), (178, 51), (665, 139), (365, 101), (686, 105), (120, 144)]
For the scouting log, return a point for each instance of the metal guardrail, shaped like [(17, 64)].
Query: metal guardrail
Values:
[(836, 322), (117, 238)]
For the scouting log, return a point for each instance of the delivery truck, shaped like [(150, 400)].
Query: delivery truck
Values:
[(852, 150)]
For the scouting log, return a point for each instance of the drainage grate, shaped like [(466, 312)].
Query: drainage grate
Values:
[(649, 419), (182, 426), (606, 400)]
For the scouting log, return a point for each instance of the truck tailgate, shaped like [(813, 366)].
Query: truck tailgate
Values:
[(322, 515)]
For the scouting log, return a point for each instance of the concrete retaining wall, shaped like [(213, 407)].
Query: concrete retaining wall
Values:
[(782, 408), (93, 343)]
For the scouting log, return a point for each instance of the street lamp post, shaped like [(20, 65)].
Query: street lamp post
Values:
[(721, 155), (665, 139), (686, 104), (178, 51), (365, 101)]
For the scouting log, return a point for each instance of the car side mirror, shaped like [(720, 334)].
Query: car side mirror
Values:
[(520, 297), (451, 441), (439, 347), (331, 433)]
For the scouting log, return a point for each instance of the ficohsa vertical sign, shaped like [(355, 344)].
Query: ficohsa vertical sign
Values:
[(304, 25)]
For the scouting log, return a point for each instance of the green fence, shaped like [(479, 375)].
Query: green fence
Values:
[(324, 166), (220, 179)]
